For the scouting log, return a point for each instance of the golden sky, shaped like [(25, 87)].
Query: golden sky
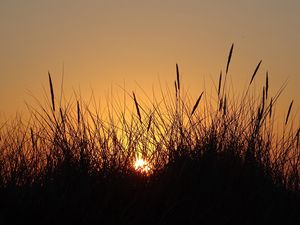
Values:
[(104, 43)]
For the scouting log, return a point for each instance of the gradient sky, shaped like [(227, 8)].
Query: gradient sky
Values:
[(104, 43)]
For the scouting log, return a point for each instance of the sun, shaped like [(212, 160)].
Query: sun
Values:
[(142, 166)]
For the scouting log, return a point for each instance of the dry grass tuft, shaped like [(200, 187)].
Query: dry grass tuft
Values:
[(76, 166)]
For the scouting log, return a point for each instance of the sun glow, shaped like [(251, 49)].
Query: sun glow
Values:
[(142, 166)]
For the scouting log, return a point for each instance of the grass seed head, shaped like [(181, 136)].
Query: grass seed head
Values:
[(255, 71), (229, 58), (289, 111), (51, 91)]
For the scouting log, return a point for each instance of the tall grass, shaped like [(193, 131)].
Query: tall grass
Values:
[(218, 153)]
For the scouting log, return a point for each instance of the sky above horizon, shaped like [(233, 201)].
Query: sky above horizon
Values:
[(102, 44)]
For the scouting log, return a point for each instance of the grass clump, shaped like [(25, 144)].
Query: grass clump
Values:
[(210, 161)]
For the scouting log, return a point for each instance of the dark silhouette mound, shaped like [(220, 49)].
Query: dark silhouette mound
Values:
[(196, 187), (211, 188)]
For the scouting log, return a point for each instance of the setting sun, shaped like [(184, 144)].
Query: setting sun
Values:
[(142, 166)]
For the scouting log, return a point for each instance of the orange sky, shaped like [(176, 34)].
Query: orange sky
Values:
[(104, 43)]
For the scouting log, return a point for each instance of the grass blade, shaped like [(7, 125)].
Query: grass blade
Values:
[(255, 71), (137, 107), (229, 58), (149, 124), (225, 106), (263, 98), (288, 113), (220, 83), (271, 108), (177, 76), (297, 138), (267, 84), (51, 91), (197, 103), (78, 113)]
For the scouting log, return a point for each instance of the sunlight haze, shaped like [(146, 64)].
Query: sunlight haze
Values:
[(102, 44)]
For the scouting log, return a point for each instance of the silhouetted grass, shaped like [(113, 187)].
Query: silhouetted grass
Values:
[(213, 162)]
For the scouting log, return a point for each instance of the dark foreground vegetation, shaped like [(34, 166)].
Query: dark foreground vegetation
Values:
[(215, 160)]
